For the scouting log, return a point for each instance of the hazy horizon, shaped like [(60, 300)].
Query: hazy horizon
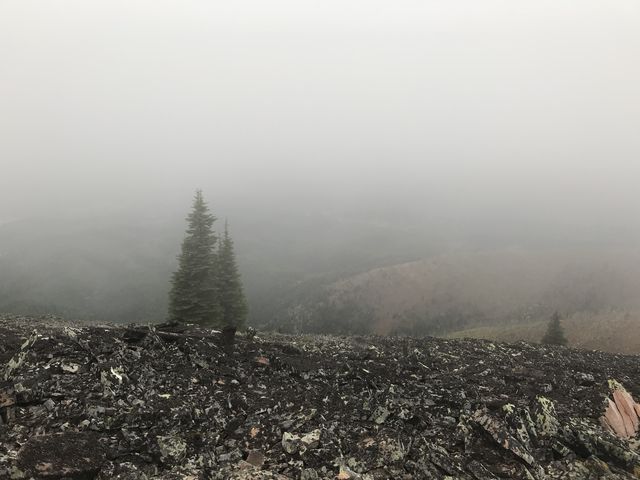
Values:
[(335, 137)]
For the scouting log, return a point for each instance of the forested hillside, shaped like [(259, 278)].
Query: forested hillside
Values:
[(497, 288)]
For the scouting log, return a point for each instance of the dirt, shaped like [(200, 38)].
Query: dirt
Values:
[(138, 402)]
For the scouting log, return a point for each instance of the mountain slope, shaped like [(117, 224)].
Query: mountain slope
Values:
[(455, 291), (612, 331)]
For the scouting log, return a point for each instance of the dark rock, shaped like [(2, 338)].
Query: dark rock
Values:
[(174, 402), (255, 458), (77, 455), (228, 336)]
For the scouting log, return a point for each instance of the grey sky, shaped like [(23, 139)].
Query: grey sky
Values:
[(461, 106)]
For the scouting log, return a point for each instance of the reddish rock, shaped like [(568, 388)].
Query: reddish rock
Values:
[(262, 361), (614, 420), (6, 400), (625, 404)]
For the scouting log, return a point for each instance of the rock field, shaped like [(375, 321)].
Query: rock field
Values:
[(137, 402)]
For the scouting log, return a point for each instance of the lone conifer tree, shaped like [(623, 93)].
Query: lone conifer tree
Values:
[(193, 296), (232, 300), (555, 332)]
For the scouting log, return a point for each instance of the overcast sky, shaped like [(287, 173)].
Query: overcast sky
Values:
[(466, 108)]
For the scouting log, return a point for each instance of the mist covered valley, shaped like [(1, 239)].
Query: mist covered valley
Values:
[(332, 272)]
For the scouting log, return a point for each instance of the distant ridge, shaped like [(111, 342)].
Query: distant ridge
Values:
[(457, 291)]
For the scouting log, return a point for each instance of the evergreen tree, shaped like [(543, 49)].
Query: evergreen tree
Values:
[(230, 292), (555, 332), (193, 297)]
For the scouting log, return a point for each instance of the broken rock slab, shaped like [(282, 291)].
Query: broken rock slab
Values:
[(255, 458), (292, 443), (621, 413), (172, 448)]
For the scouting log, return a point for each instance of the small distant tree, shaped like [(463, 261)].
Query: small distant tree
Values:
[(555, 332), (230, 292), (193, 296)]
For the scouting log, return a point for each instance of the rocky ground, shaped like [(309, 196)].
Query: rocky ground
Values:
[(113, 402)]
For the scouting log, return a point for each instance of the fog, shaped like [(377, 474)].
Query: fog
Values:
[(459, 124), (518, 105)]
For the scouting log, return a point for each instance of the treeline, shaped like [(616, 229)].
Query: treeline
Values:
[(206, 289)]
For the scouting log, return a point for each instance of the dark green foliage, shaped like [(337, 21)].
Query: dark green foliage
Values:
[(193, 297), (555, 332), (230, 292)]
